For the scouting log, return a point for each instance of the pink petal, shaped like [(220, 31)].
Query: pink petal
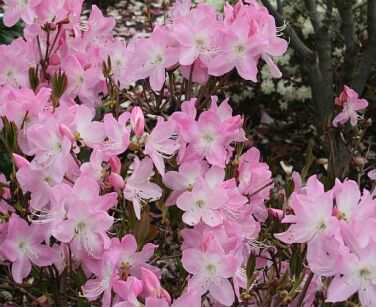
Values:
[(341, 288)]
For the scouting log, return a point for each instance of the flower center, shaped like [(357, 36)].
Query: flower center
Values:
[(200, 203)]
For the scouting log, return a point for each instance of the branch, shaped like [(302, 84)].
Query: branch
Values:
[(345, 9), (369, 56), (313, 15), (296, 42)]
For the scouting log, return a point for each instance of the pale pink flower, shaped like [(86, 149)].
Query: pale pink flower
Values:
[(116, 133), (184, 180), (16, 9), (85, 230), (129, 259), (351, 105), (313, 217), (81, 82), (153, 56), (195, 33), (138, 188), (211, 270), (238, 50), (22, 247), (161, 143), (203, 203), (357, 272)]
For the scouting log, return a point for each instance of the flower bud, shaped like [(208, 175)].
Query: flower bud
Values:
[(20, 161), (137, 121), (116, 181), (115, 164), (276, 213)]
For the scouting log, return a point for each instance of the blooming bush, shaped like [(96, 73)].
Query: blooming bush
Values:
[(121, 151)]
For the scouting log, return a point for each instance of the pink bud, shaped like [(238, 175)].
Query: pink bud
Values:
[(276, 213), (115, 164), (65, 131), (20, 161), (116, 181), (335, 212), (137, 121)]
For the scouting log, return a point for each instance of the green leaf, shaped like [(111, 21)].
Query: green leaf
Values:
[(308, 160), (7, 35)]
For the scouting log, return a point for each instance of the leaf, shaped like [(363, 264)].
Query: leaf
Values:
[(142, 229), (251, 265), (308, 160)]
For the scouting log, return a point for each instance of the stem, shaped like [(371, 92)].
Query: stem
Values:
[(305, 289)]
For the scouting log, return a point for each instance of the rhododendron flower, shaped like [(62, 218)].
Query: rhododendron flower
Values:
[(161, 143), (22, 247), (356, 273), (351, 104), (85, 230), (195, 34), (128, 291), (129, 260), (152, 287), (184, 180), (16, 59), (16, 9), (203, 203), (312, 218), (106, 278), (50, 148), (206, 138), (210, 270), (153, 57), (81, 82), (238, 50), (117, 135), (87, 131), (138, 188)]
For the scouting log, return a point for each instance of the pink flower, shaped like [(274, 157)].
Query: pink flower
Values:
[(203, 203), (356, 272), (313, 215), (211, 270), (81, 82), (184, 180), (22, 247), (117, 135), (128, 291), (152, 287), (238, 50), (351, 104), (16, 9), (106, 278), (87, 131), (138, 188), (129, 260), (153, 57), (195, 33), (16, 60), (161, 143), (85, 230), (206, 138)]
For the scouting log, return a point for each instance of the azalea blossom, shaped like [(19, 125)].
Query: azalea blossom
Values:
[(211, 270), (351, 104), (22, 247), (138, 188)]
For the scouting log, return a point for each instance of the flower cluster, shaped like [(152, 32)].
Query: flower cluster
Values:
[(337, 226), (118, 147)]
